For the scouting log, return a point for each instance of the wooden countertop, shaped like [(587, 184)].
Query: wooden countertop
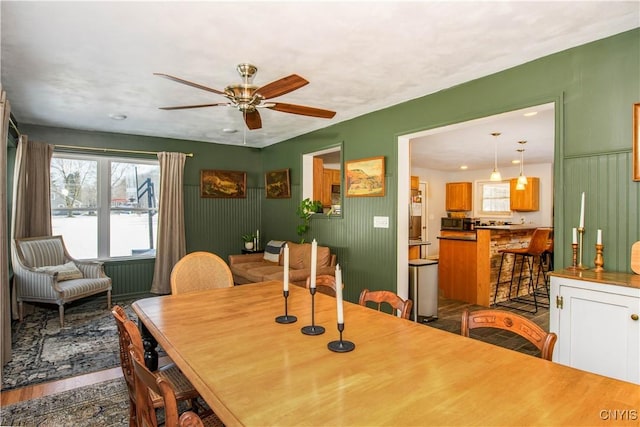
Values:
[(628, 280), (471, 238)]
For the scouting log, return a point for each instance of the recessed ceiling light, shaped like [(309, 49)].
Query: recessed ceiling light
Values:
[(530, 113), (117, 116), (464, 167), (515, 161), (229, 130)]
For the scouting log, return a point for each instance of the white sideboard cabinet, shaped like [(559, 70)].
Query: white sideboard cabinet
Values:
[(595, 316)]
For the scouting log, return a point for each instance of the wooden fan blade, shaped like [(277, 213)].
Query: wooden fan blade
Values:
[(282, 86), (188, 83), (184, 107), (253, 120), (302, 110)]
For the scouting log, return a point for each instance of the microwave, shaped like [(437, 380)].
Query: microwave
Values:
[(462, 224)]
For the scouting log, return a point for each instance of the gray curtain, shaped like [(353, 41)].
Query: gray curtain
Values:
[(31, 215), (5, 304), (31, 199), (171, 244)]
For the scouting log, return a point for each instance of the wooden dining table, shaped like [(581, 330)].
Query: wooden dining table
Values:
[(253, 371)]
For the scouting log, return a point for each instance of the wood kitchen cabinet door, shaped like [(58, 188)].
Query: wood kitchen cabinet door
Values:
[(329, 177), (597, 326), (415, 182), (527, 200), (459, 196)]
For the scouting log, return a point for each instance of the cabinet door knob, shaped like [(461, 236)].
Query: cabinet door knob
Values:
[(634, 317)]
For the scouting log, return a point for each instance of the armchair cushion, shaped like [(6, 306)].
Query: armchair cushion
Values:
[(66, 271)]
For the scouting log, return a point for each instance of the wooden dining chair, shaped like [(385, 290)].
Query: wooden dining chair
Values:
[(508, 321), (199, 271), (129, 336), (149, 385), (190, 419), (325, 283), (399, 305)]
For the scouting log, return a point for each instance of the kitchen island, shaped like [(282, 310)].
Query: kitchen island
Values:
[(469, 261)]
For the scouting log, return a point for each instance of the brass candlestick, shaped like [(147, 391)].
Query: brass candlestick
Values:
[(574, 261), (580, 247), (599, 260)]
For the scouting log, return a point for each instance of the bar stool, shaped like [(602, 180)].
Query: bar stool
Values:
[(537, 245)]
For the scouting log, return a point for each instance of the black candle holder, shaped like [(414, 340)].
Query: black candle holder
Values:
[(312, 329), (286, 318), (341, 346)]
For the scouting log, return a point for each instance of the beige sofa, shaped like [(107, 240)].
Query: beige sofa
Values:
[(251, 268)]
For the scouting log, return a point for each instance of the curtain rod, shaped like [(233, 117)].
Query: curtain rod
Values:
[(113, 150), (13, 125)]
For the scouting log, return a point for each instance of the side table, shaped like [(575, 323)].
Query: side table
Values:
[(252, 251)]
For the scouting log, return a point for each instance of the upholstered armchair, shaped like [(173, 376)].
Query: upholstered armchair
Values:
[(45, 272)]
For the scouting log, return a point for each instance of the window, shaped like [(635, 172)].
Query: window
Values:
[(105, 207), (494, 198)]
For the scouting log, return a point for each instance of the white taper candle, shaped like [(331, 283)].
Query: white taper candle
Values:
[(599, 238), (314, 260), (286, 267), (582, 211), (575, 236), (340, 312)]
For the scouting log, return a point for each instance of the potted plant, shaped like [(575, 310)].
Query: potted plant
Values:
[(305, 210), (248, 241)]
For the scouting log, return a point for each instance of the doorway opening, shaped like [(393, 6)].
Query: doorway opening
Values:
[(436, 156)]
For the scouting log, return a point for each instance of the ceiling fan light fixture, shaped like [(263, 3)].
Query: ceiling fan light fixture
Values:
[(495, 175)]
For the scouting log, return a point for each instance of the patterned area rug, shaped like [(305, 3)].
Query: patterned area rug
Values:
[(42, 351), (102, 404)]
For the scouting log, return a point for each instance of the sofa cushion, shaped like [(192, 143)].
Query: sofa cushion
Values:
[(273, 249), (67, 271), (300, 255)]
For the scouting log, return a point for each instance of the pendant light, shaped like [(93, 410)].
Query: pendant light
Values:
[(522, 178), (495, 175)]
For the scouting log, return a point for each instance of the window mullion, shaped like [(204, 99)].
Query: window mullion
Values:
[(104, 196)]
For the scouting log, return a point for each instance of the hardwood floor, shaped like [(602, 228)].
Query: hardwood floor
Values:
[(45, 389)]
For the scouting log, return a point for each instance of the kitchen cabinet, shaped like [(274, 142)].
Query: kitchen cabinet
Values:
[(459, 196), (330, 177), (527, 200), (415, 182), (595, 316)]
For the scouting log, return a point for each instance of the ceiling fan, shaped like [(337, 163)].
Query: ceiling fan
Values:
[(248, 97)]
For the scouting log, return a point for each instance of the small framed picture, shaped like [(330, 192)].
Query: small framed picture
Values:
[(223, 184), (365, 177), (636, 142), (277, 185)]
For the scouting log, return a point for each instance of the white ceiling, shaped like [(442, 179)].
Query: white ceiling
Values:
[(472, 144), (72, 64)]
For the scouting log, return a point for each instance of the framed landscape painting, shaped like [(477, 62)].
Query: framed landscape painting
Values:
[(365, 177), (277, 185), (223, 184)]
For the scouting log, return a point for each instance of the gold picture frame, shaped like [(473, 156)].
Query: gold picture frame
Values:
[(223, 184), (277, 184), (636, 142), (365, 177)]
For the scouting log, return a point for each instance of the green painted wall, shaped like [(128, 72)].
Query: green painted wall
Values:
[(595, 86)]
